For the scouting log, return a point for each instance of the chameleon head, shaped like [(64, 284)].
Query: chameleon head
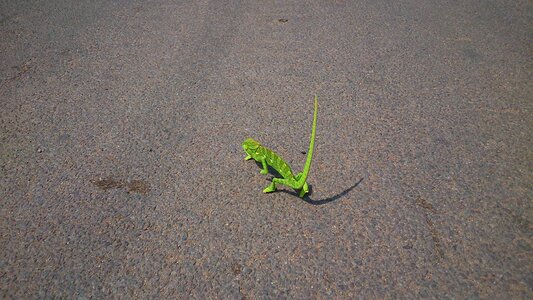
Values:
[(250, 146)]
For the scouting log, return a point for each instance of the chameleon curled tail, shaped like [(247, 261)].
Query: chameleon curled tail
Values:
[(268, 157)]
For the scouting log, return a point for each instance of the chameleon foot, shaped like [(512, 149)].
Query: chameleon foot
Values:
[(269, 189)]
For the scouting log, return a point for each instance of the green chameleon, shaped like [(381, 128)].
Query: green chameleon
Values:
[(268, 157)]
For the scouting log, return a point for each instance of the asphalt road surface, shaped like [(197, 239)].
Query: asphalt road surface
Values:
[(122, 172)]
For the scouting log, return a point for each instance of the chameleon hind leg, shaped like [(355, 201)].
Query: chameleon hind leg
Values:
[(272, 187), (288, 182), (304, 190)]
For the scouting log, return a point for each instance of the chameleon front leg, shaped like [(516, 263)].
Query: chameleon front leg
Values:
[(272, 187), (265, 167), (263, 162)]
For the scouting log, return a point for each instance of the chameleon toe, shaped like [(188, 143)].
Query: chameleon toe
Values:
[(269, 189)]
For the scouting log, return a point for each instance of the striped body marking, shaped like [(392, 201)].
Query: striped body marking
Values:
[(270, 157)]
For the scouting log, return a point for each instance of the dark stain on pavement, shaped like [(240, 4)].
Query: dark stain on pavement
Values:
[(435, 237), (138, 186), (236, 269), (21, 70), (439, 252), (107, 183), (135, 186), (424, 204)]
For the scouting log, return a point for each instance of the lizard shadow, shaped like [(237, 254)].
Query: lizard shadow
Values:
[(325, 200)]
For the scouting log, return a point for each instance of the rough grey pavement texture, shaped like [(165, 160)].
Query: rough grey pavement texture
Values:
[(122, 172)]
